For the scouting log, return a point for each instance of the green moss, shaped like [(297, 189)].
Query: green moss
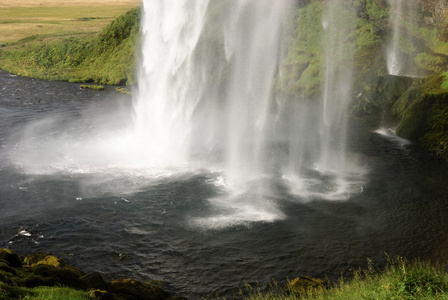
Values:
[(403, 102), (12, 259), (412, 125), (304, 52), (92, 87), (444, 85), (364, 22), (432, 63), (371, 9), (123, 91), (435, 138), (431, 84)]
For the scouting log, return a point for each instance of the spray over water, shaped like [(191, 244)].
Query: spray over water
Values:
[(206, 101)]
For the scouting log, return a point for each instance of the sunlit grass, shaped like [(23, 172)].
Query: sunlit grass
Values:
[(400, 280), (56, 293), (105, 57)]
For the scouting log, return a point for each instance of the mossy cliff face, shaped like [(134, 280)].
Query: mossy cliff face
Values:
[(425, 119), (303, 68), (416, 96)]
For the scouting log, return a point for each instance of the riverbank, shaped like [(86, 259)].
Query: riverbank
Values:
[(25, 19), (45, 276), (77, 41)]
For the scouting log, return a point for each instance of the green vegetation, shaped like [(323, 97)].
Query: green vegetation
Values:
[(22, 19), (400, 280), (364, 22), (92, 87), (46, 277), (302, 66), (43, 293), (108, 58), (123, 91)]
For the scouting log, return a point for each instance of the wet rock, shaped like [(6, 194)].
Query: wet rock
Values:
[(45, 269), (101, 295), (132, 289), (6, 268), (46, 259), (65, 277), (10, 257), (34, 281), (303, 284), (94, 281), (32, 259)]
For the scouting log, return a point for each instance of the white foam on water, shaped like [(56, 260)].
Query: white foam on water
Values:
[(204, 101), (390, 134)]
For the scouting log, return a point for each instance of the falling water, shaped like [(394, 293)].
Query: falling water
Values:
[(337, 87), (397, 62), (206, 99), (168, 87), (175, 81), (393, 61), (206, 102)]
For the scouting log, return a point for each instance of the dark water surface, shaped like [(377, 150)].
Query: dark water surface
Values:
[(133, 226)]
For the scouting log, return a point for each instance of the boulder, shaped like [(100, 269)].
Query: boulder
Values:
[(132, 289), (94, 281), (32, 259), (65, 277), (11, 258), (44, 258), (34, 281), (101, 295)]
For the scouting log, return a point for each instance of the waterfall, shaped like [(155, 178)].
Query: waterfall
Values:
[(398, 62), (185, 109), (168, 88), (393, 61), (339, 54), (206, 101)]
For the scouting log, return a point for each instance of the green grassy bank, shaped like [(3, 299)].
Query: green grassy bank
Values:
[(400, 280), (45, 277), (105, 58)]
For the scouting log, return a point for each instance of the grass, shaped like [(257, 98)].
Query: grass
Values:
[(41, 293), (92, 87), (52, 18), (400, 280), (105, 57), (56, 293)]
